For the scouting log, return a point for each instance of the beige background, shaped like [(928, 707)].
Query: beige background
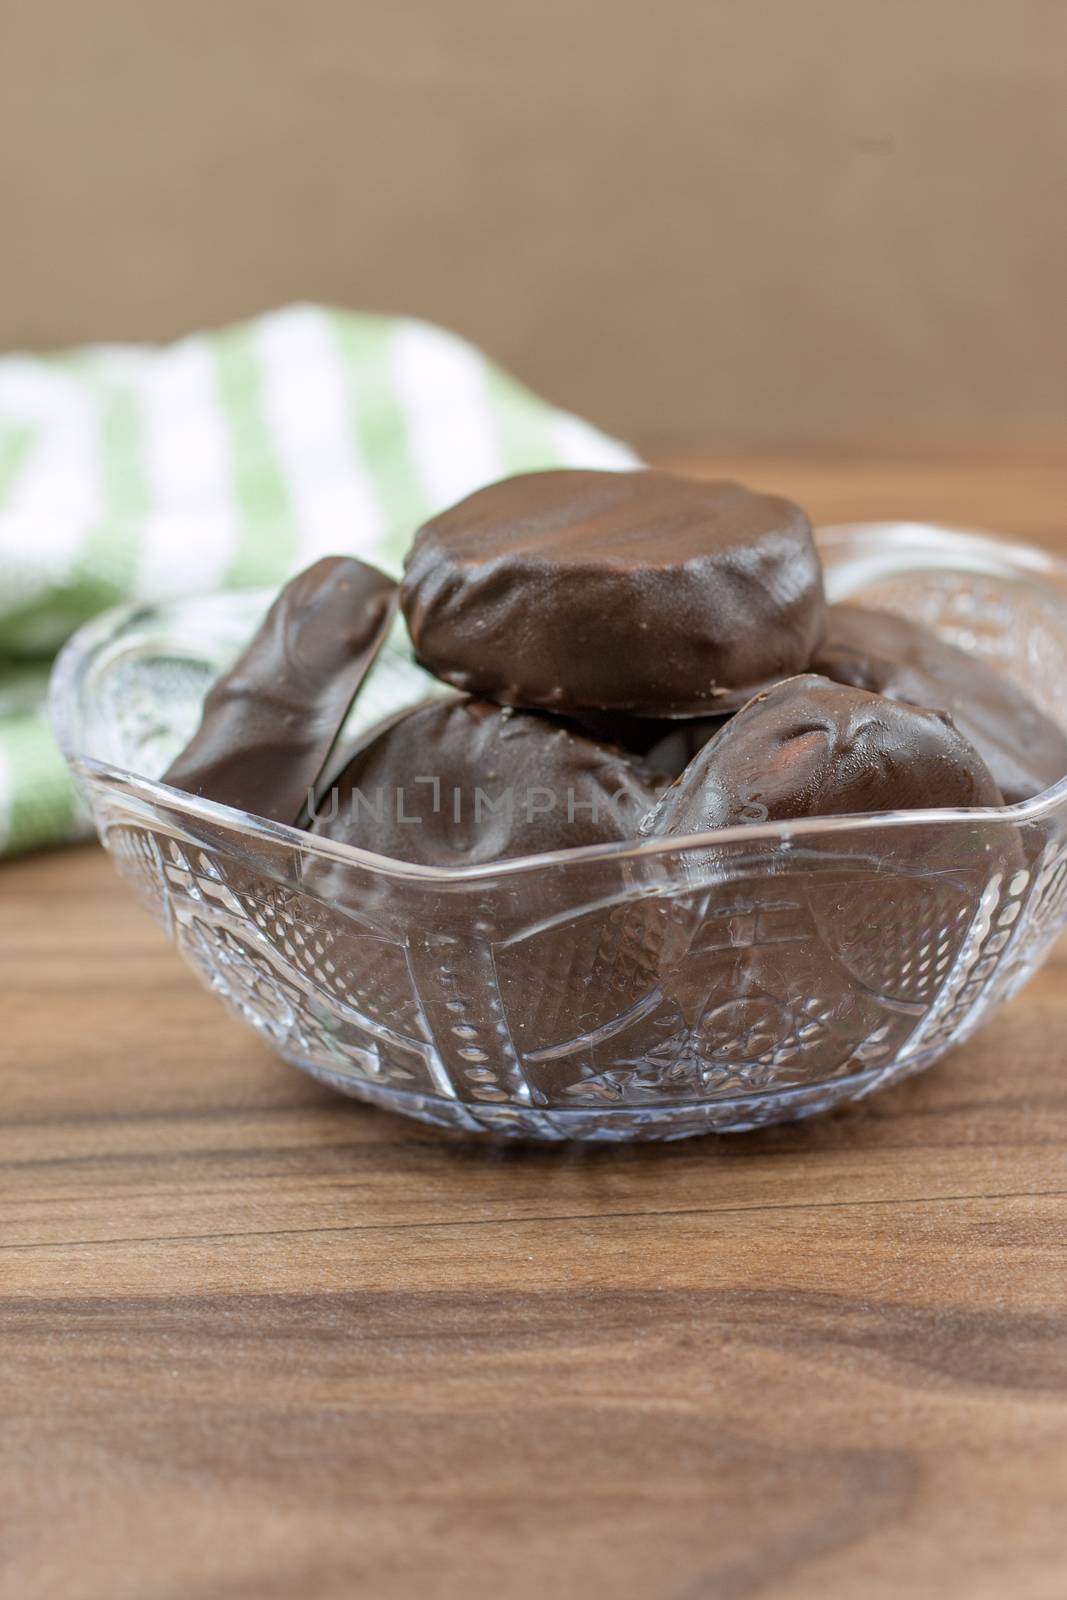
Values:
[(717, 219)]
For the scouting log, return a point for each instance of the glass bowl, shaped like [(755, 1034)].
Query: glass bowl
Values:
[(652, 989)]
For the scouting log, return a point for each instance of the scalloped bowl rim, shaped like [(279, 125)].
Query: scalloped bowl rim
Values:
[(66, 674)]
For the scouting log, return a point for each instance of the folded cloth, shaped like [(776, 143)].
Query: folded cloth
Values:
[(229, 459)]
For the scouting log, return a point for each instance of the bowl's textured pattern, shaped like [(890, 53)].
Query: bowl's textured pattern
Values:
[(725, 1008), (651, 994)]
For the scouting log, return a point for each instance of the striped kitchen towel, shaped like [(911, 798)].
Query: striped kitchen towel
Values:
[(226, 460)]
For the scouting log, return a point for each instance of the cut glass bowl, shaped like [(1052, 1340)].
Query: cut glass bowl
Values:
[(639, 990)]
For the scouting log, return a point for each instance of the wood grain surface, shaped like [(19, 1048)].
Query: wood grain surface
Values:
[(258, 1341)]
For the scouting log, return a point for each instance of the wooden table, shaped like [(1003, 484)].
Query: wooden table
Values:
[(261, 1342)]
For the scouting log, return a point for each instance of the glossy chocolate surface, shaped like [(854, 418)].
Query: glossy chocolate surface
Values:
[(270, 723), (1024, 750), (680, 741), (635, 591), (812, 748), (458, 782)]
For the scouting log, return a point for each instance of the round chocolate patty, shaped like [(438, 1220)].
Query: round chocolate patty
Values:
[(462, 782), (1024, 750), (811, 748), (618, 591)]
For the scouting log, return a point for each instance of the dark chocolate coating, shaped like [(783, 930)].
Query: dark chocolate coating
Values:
[(812, 748), (617, 591), (635, 734), (666, 745), (680, 741), (544, 786), (1024, 750), (270, 723)]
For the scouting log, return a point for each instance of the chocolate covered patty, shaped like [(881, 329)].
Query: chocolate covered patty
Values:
[(620, 591), (1024, 750), (679, 742), (269, 724), (459, 782), (812, 748)]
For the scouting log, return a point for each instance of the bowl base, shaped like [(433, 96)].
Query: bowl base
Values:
[(620, 1124)]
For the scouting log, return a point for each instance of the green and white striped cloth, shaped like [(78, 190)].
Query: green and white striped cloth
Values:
[(226, 460)]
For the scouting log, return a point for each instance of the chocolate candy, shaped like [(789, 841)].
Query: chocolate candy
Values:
[(619, 591), (460, 781), (812, 748), (270, 723), (680, 741), (1024, 750), (665, 744)]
